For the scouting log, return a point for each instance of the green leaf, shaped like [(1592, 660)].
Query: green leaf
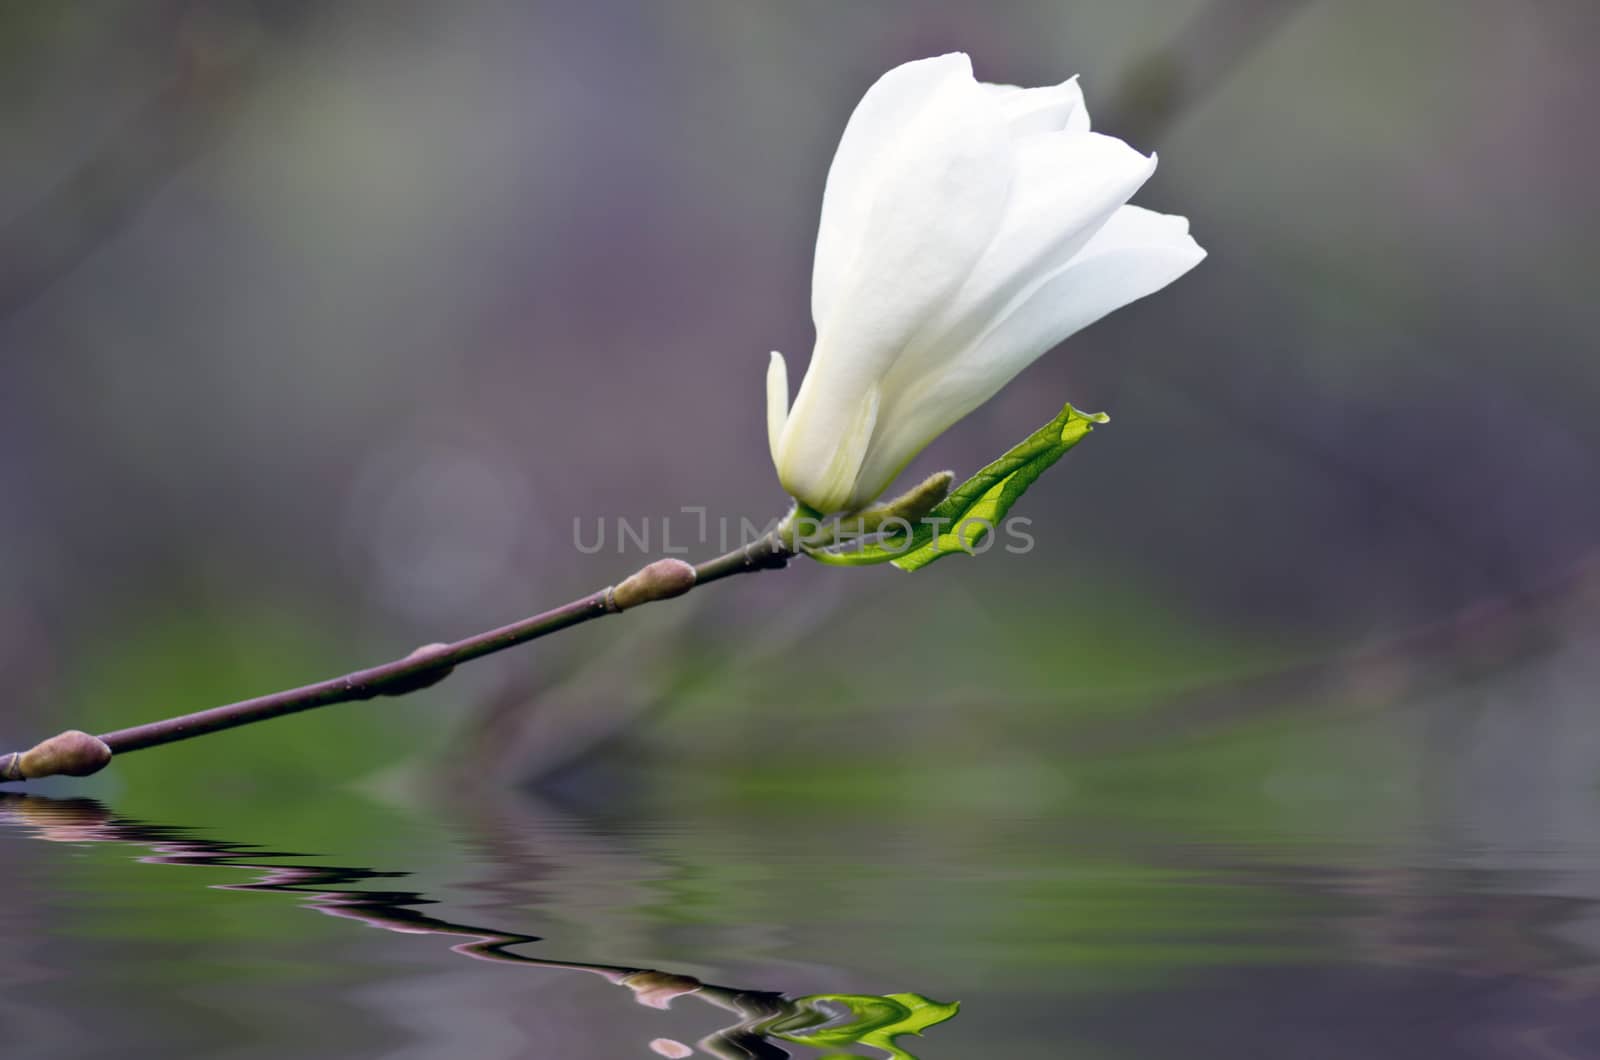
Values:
[(961, 522), (872, 1021)]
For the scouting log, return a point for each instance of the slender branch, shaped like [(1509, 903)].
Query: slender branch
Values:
[(74, 753)]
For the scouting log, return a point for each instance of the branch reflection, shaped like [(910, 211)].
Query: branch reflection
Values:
[(768, 1023)]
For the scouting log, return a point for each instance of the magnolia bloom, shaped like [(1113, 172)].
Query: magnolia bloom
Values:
[(966, 229)]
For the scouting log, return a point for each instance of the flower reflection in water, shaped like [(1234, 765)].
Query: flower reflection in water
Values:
[(768, 1022)]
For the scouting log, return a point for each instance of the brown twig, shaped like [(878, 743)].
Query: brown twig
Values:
[(75, 753)]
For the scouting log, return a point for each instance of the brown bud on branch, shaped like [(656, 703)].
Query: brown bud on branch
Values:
[(661, 580), (71, 754)]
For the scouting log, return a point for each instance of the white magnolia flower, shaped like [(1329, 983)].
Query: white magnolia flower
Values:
[(966, 229)]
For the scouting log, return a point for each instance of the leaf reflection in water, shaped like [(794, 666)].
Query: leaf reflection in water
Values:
[(768, 1021)]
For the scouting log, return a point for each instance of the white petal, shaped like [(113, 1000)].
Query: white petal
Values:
[(876, 128), (965, 229), (777, 401), (927, 212), (928, 209), (1066, 188), (1057, 108), (823, 473), (1137, 253)]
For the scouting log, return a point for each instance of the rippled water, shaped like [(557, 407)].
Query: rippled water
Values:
[(502, 927)]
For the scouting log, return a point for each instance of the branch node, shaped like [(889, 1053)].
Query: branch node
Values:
[(70, 754), (661, 580), (427, 678), (770, 553)]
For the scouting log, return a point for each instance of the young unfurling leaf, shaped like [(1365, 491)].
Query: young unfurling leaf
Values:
[(962, 521)]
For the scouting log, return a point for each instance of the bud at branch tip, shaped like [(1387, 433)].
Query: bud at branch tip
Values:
[(71, 754)]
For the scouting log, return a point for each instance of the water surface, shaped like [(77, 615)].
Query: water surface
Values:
[(501, 926)]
